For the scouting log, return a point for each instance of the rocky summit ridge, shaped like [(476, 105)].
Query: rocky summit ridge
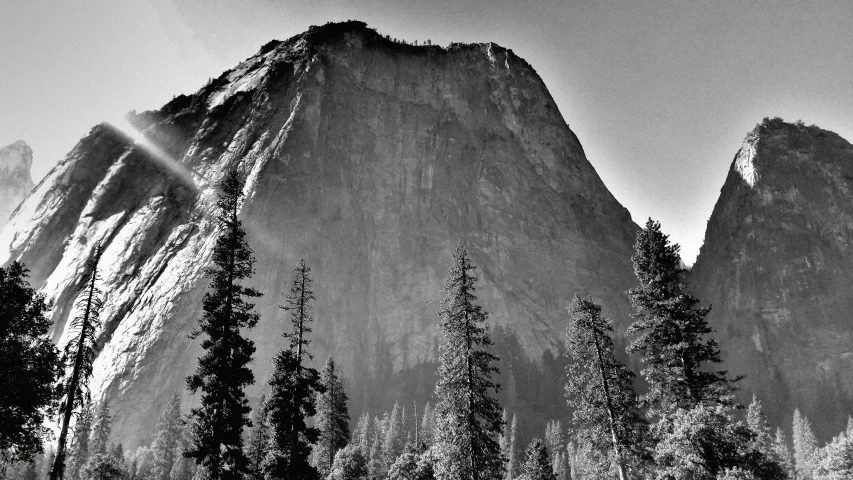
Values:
[(777, 268), (16, 182), (369, 158)]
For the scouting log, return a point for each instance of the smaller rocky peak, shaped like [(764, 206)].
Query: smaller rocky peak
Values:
[(16, 181), (775, 148), (17, 157)]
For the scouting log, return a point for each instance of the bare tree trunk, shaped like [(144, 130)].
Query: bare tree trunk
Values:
[(619, 464)]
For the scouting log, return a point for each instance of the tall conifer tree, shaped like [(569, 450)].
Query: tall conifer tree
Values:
[(293, 389), (361, 434), (537, 465), (600, 389), (29, 366), (670, 331), (468, 416), (223, 372), (259, 440), (427, 430), (805, 445), (757, 423), (184, 467), (80, 447), (101, 429), (77, 359), (783, 452), (332, 419), (510, 448), (169, 429), (394, 439)]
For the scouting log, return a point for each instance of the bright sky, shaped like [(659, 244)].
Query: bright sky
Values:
[(660, 93)]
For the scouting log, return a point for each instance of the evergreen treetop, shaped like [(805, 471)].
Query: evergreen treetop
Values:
[(101, 429), (537, 465), (258, 440), (670, 331), (332, 418), (468, 417), (222, 372), (80, 445), (293, 389), (169, 429), (606, 414)]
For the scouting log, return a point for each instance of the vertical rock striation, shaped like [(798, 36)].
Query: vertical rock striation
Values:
[(777, 267), (369, 158), (15, 179)]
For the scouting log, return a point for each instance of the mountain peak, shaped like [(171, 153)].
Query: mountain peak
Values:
[(776, 265), (370, 159)]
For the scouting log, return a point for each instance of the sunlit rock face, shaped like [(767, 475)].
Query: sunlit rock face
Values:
[(777, 267), (370, 159), (15, 179)]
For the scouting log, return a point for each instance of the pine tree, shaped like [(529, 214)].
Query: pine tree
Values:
[(223, 372), (561, 465), (183, 469), (393, 440), (293, 389), (600, 389), (79, 452), (332, 419), (428, 426), (374, 457), (169, 428), (780, 446), (350, 464), (101, 429), (102, 467), (361, 434), (29, 366), (468, 418), (258, 440), (671, 331), (77, 359), (554, 439), (537, 465), (805, 445), (510, 454), (835, 460), (117, 452), (703, 443), (757, 423)]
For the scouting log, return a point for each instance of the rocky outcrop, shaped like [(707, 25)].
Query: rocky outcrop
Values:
[(15, 179), (369, 158), (777, 267)]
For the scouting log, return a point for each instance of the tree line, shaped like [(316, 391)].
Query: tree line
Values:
[(686, 425)]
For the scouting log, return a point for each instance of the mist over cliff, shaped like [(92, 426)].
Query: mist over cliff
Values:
[(369, 158)]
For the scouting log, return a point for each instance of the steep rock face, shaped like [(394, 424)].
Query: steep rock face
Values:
[(15, 179), (370, 159), (777, 268)]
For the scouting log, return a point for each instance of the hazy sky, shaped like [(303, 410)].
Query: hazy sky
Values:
[(660, 93)]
